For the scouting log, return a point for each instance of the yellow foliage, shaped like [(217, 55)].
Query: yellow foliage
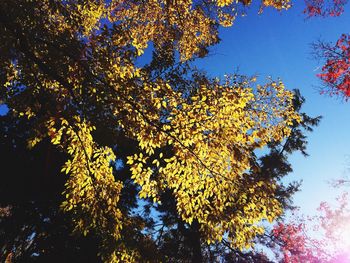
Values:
[(213, 139), (278, 4), (91, 193), (87, 74)]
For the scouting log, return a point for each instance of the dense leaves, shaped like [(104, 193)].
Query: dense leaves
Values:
[(273, 165), (185, 143)]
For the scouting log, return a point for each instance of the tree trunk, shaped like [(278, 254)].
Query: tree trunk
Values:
[(196, 243)]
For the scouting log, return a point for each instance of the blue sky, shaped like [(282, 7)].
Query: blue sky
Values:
[(277, 44)]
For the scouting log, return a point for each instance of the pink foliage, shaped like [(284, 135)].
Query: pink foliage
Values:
[(319, 239), (293, 243)]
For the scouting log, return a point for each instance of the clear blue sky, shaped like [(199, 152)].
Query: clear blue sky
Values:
[(277, 44)]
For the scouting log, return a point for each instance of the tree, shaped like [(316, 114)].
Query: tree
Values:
[(335, 71), (176, 240), (323, 238), (324, 8), (80, 103)]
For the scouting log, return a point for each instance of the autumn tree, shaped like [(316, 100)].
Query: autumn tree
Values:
[(335, 71), (176, 240), (79, 103), (324, 8), (27, 212), (322, 238), (335, 74)]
